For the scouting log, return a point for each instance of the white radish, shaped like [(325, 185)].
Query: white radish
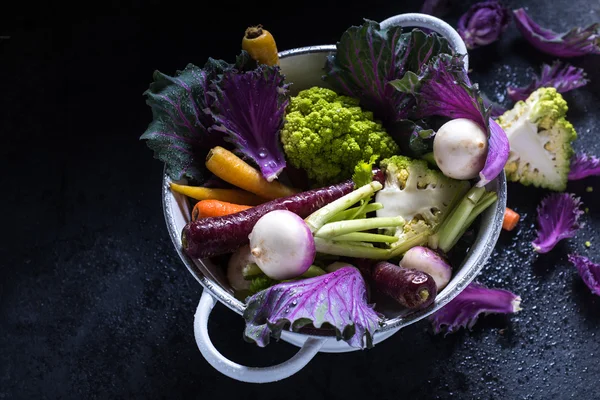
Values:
[(237, 262), (460, 148), (282, 245), (429, 261)]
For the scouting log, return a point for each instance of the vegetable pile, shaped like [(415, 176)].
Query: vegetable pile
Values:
[(371, 185)]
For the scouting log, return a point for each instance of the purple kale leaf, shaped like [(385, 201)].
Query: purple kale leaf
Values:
[(368, 57), (337, 299), (443, 88), (249, 110), (583, 165), (563, 77), (578, 41), (464, 310), (588, 270), (558, 219), (483, 23)]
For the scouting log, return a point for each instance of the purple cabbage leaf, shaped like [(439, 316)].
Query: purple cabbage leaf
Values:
[(443, 88), (337, 299), (583, 165), (558, 218), (563, 77), (588, 270), (464, 310), (578, 41), (179, 133), (368, 57), (249, 110), (483, 23)]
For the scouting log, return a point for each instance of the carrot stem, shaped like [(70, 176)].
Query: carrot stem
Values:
[(229, 167), (235, 196), (260, 45)]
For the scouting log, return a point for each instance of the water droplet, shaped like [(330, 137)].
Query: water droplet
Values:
[(294, 302), (262, 152)]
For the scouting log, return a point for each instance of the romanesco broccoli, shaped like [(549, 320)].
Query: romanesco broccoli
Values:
[(419, 194), (540, 140), (327, 135)]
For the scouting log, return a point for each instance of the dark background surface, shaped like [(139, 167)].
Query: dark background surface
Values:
[(94, 302)]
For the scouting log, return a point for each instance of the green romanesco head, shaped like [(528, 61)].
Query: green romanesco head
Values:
[(540, 140), (327, 135)]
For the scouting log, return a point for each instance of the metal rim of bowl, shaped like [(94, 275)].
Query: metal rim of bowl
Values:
[(483, 247)]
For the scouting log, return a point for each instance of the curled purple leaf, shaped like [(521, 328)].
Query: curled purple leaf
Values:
[(588, 270), (576, 42), (367, 57), (498, 152), (563, 77), (483, 23), (464, 310), (443, 88), (558, 219), (583, 165), (337, 299), (249, 109)]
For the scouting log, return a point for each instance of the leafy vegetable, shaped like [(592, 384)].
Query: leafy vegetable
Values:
[(588, 270), (337, 299), (249, 109), (483, 23), (326, 135), (576, 42), (464, 310), (368, 57), (563, 77), (583, 165), (178, 133), (558, 219), (444, 88)]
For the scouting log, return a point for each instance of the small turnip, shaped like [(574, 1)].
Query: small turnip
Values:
[(282, 245), (235, 267), (460, 148), (426, 260)]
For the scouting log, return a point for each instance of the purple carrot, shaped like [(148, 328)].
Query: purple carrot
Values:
[(212, 236)]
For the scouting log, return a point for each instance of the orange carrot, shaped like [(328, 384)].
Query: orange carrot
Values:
[(260, 44), (510, 219), (229, 167), (215, 208)]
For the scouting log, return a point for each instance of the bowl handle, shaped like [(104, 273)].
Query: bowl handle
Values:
[(240, 372)]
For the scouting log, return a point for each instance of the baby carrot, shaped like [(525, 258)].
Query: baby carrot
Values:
[(229, 167), (510, 219), (235, 196), (260, 44), (215, 208)]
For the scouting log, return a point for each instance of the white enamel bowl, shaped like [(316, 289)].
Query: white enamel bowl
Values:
[(303, 67)]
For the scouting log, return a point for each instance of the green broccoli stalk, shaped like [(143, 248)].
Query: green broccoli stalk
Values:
[(327, 135), (540, 140)]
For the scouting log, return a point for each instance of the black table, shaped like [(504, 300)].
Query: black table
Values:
[(95, 303)]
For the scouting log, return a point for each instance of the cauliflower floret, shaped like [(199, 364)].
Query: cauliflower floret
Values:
[(327, 135), (419, 194), (540, 140)]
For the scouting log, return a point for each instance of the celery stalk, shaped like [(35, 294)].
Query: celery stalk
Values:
[(366, 237), (326, 246), (454, 223), (337, 228), (320, 217), (347, 214), (487, 200)]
